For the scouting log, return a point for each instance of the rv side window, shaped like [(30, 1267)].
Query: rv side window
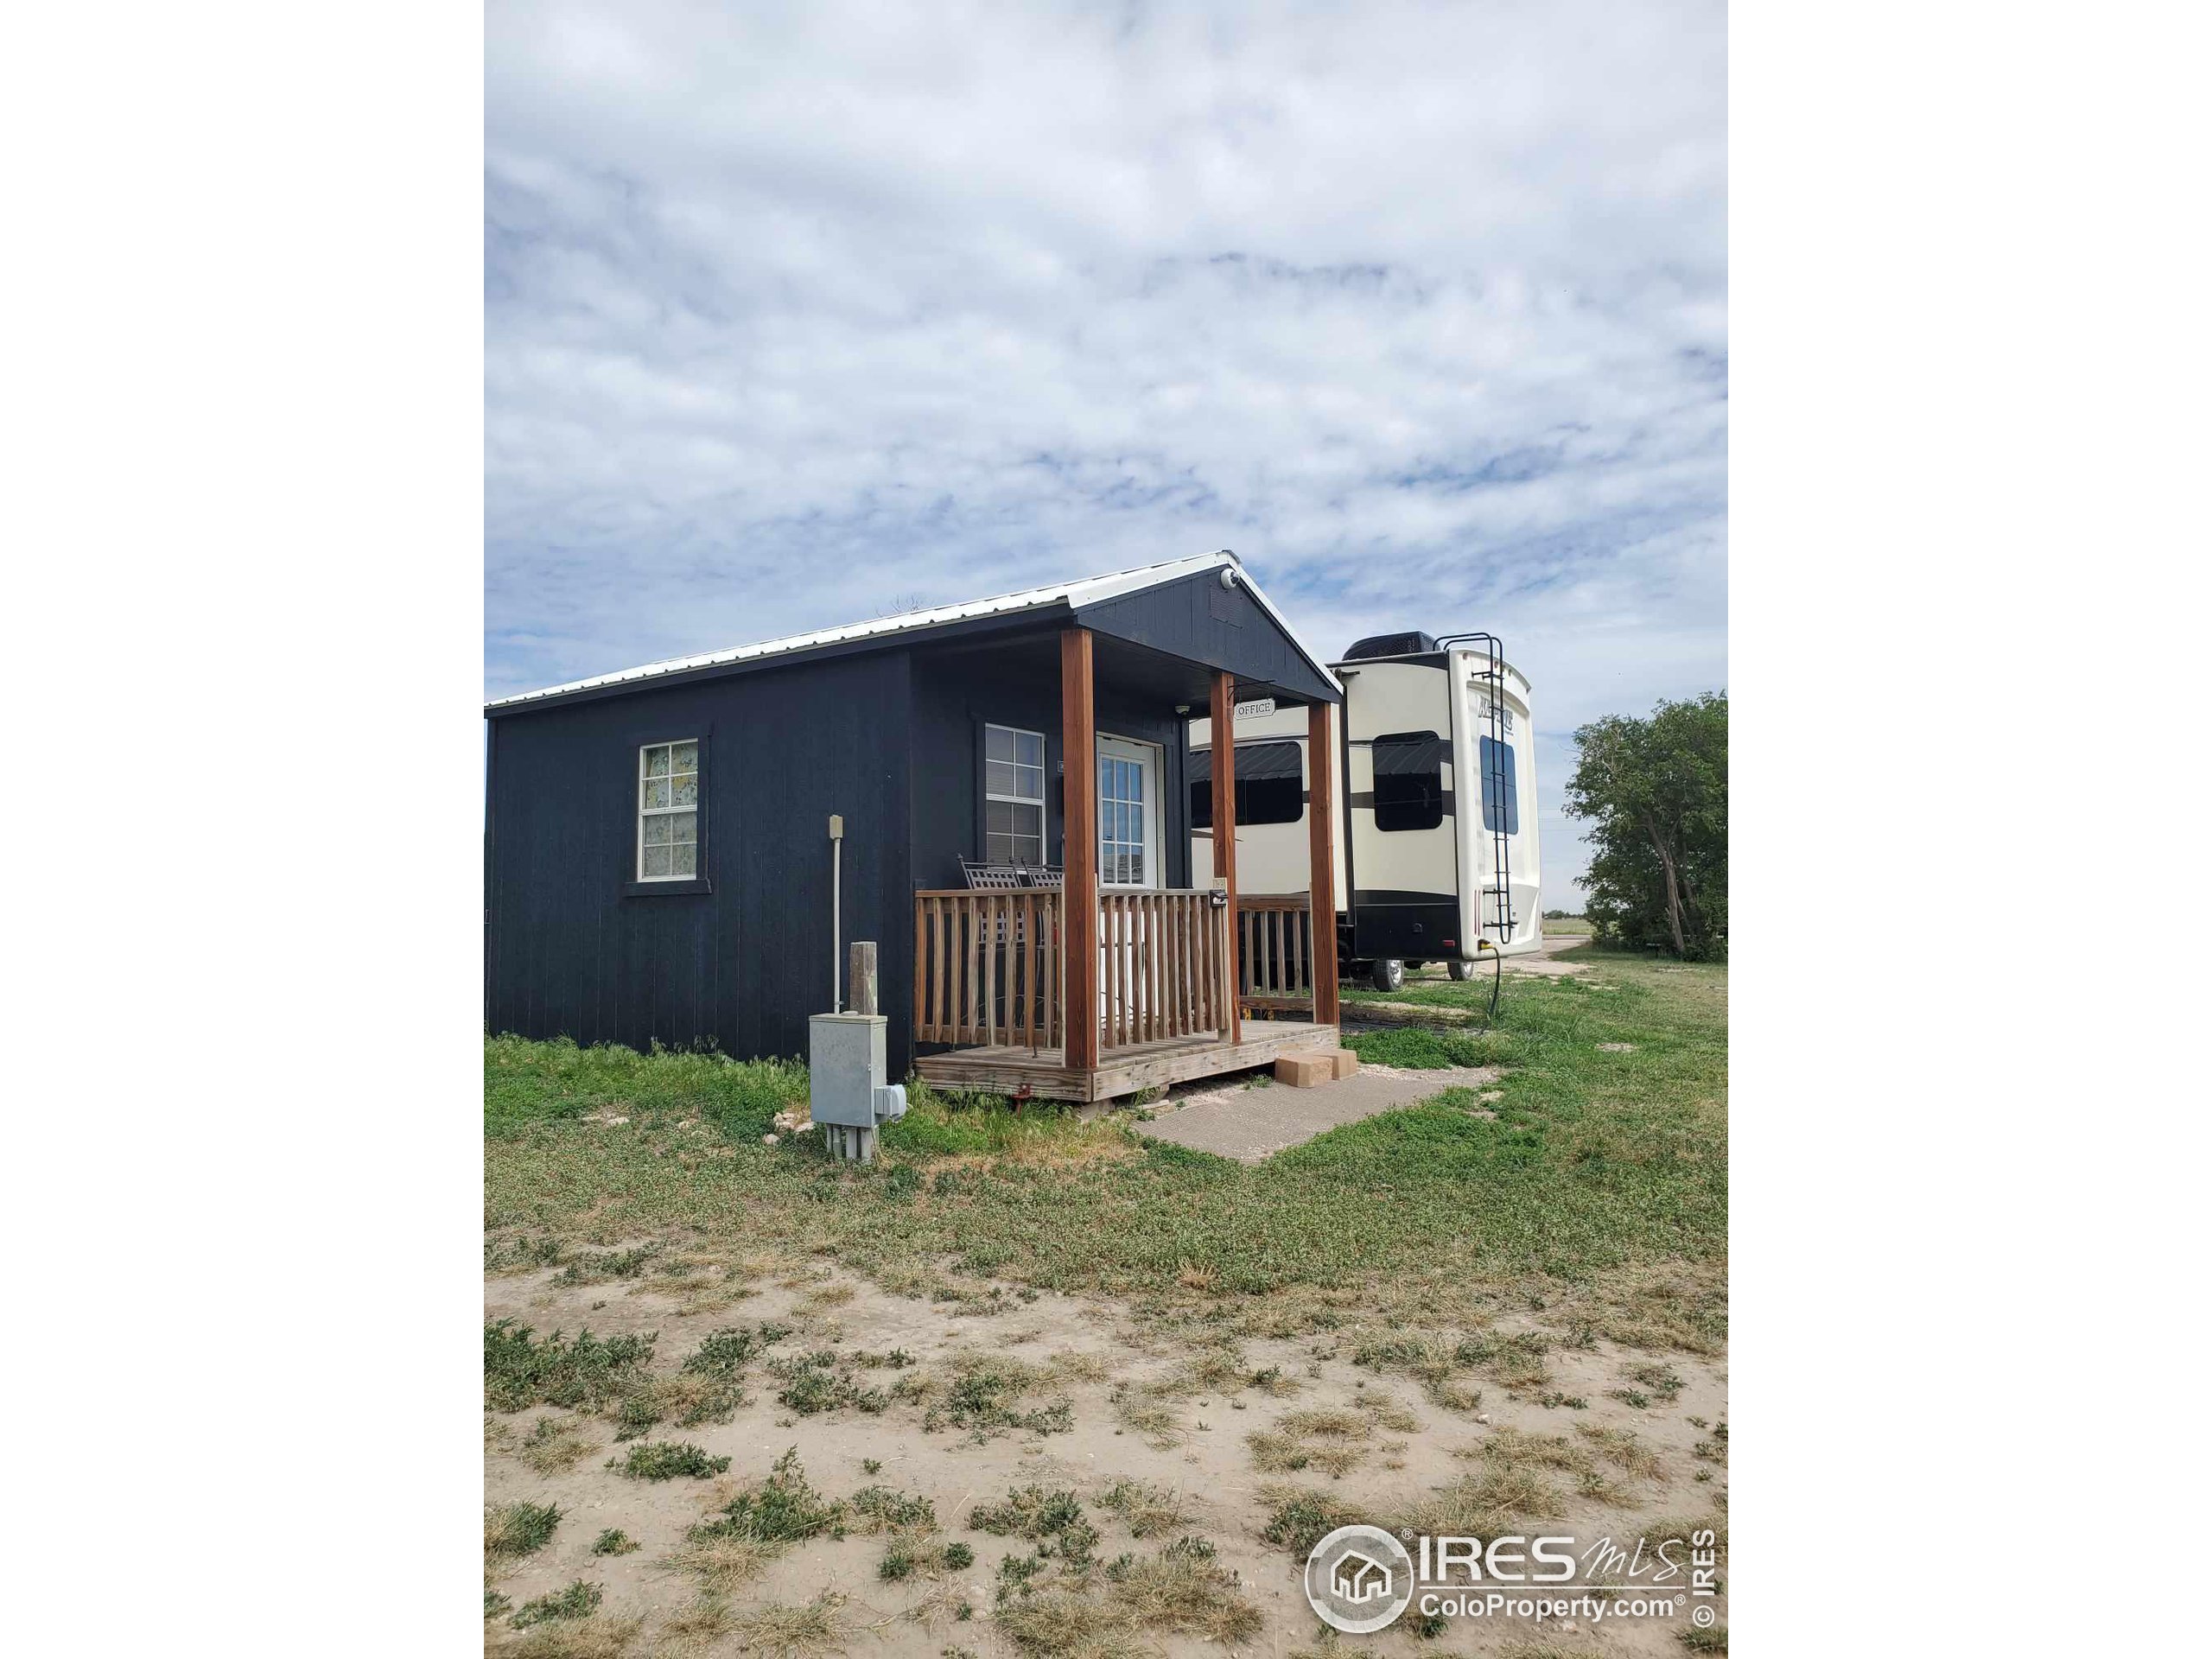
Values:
[(1013, 796), (1408, 780), (1270, 785), (668, 812), (1501, 805)]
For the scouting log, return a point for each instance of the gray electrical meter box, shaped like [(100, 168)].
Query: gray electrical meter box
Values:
[(845, 1072)]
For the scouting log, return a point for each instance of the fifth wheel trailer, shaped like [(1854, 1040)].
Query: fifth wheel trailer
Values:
[(1437, 859)]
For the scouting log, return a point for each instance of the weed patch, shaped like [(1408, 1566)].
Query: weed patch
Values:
[(1664, 1380), (882, 1510), (1302, 1518), (1498, 1500), (1332, 1441), (1156, 1422), (984, 1397), (783, 1509), (597, 1266), (760, 1523), (1111, 1610), (667, 1460), (579, 1600), (955, 1124), (1514, 1362), (1519, 1480), (597, 1637), (725, 1354), (1145, 1509), (1184, 1591), (787, 1630), (1052, 1520), (513, 1530), (529, 1083), (589, 1371), (706, 1388), (1621, 1448), (822, 1381), (554, 1444), (521, 1254)]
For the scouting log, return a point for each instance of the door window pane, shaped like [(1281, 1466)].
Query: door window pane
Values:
[(1123, 854)]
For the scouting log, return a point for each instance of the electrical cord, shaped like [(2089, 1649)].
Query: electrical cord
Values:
[(1497, 982)]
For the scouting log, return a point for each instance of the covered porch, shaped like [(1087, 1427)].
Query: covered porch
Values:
[(1109, 982)]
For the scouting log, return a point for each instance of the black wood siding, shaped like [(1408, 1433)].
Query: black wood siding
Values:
[(956, 695), (1199, 619), (572, 948)]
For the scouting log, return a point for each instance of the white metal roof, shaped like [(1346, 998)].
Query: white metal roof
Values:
[(1089, 590)]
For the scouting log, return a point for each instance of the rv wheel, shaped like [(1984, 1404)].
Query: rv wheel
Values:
[(1461, 970), (1388, 974)]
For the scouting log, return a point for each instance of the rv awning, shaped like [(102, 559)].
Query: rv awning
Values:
[(1276, 758), (1409, 754)]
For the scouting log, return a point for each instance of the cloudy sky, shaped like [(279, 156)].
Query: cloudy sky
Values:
[(800, 314)]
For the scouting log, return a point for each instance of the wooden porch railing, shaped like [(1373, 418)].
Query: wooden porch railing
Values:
[(988, 966), (1274, 952), (1162, 971)]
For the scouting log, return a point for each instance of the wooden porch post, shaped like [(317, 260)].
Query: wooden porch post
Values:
[(1079, 885), (1321, 849), (1223, 732)]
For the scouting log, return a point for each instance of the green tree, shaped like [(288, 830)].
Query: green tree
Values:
[(1655, 793)]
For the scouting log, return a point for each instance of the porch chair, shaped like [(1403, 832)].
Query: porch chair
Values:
[(1009, 932)]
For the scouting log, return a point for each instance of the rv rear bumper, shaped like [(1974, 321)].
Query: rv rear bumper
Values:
[(1409, 927)]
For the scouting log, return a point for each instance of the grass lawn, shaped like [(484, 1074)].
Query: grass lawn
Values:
[(1557, 925), (1586, 1192)]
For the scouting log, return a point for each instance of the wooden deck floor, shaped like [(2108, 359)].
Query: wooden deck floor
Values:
[(1044, 1074)]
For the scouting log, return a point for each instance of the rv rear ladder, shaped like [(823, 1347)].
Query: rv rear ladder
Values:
[(1494, 777)]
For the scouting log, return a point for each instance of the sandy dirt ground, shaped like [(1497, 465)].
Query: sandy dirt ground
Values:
[(1204, 1455), (1545, 959)]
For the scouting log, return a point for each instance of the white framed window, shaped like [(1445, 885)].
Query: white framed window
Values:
[(668, 812), (1013, 796)]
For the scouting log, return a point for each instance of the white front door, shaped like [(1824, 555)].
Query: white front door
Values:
[(1128, 814)]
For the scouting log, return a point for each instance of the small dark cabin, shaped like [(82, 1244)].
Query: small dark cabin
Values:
[(658, 860)]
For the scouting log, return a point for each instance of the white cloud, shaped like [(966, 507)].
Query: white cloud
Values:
[(796, 312)]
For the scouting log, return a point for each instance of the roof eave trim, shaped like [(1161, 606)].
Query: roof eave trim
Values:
[(617, 685)]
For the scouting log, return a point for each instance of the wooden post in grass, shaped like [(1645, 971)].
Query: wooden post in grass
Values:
[(859, 975), (1079, 857), (860, 986)]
